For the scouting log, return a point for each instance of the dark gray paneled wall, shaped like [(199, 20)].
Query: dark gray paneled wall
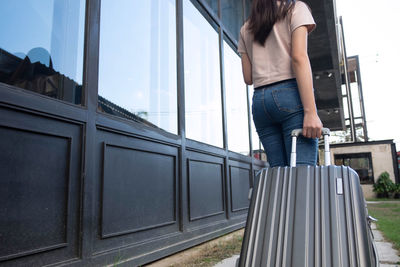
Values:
[(82, 188), (143, 207), (40, 168)]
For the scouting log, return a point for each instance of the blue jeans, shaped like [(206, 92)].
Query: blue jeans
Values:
[(277, 110)]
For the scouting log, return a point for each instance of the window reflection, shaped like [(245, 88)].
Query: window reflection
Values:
[(41, 46), (137, 68), (213, 4), (232, 16), (236, 102), (247, 10), (202, 78)]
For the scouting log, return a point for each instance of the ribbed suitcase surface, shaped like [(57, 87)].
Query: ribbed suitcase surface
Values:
[(308, 216)]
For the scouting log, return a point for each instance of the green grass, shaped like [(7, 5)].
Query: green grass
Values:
[(383, 199), (213, 254), (207, 254), (388, 215)]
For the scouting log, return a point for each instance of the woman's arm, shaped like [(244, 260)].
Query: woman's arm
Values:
[(312, 125), (246, 69)]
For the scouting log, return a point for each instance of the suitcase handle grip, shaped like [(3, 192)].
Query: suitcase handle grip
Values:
[(325, 133), (297, 132)]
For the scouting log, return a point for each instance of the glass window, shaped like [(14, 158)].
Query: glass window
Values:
[(232, 16), (202, 78), (360, 162), (213, 4), (236, 102), (137, 65), (248, 4), (41, 46)]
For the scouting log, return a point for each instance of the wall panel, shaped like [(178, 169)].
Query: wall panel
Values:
[(39, 187), (137, 190), (205, 189), (39, 177), (240, 185)]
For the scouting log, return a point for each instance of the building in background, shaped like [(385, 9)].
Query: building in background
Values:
[(369, 159), (125, 128), (352, 146)]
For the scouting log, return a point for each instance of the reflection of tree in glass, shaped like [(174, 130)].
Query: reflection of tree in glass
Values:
[(143, 114), (39, 54)]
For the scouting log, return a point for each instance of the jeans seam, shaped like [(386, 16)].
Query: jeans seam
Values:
[(265, 109)]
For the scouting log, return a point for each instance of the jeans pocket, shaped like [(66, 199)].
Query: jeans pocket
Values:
[(287, 99)]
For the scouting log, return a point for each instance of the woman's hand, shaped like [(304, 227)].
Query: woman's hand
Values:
[(312, 125)]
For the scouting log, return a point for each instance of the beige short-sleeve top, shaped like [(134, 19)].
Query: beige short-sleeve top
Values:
[(272, 62)]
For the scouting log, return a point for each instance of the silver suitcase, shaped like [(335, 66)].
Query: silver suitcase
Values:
[(308, 216)]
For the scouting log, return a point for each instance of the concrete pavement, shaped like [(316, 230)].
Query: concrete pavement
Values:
[(230, 262), (388, 256)]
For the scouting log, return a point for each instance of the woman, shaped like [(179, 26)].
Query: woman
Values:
[(273, 46)]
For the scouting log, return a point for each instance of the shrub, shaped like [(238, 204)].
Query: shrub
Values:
[(396, 191), (384, 185)]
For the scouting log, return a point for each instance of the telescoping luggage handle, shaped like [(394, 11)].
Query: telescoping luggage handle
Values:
[(296, 132)]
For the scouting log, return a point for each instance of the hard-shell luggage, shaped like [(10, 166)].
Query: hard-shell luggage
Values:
[(308, 216)]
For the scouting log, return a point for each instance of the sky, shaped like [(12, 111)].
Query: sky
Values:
[(371, 31)]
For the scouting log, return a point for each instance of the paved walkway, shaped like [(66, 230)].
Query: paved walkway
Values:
[(230, 262), (388, 256)]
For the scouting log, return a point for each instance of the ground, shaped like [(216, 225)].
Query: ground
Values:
[(205, 255)]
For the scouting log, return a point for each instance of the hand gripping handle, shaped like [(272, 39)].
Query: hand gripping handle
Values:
[(296, 132)]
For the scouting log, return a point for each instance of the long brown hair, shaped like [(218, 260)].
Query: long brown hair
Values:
[(264, 14)]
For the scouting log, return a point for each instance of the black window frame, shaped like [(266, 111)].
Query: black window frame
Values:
[(367, 155)]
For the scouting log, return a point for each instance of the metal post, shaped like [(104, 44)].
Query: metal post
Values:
[(348, 89), (360, 94)]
